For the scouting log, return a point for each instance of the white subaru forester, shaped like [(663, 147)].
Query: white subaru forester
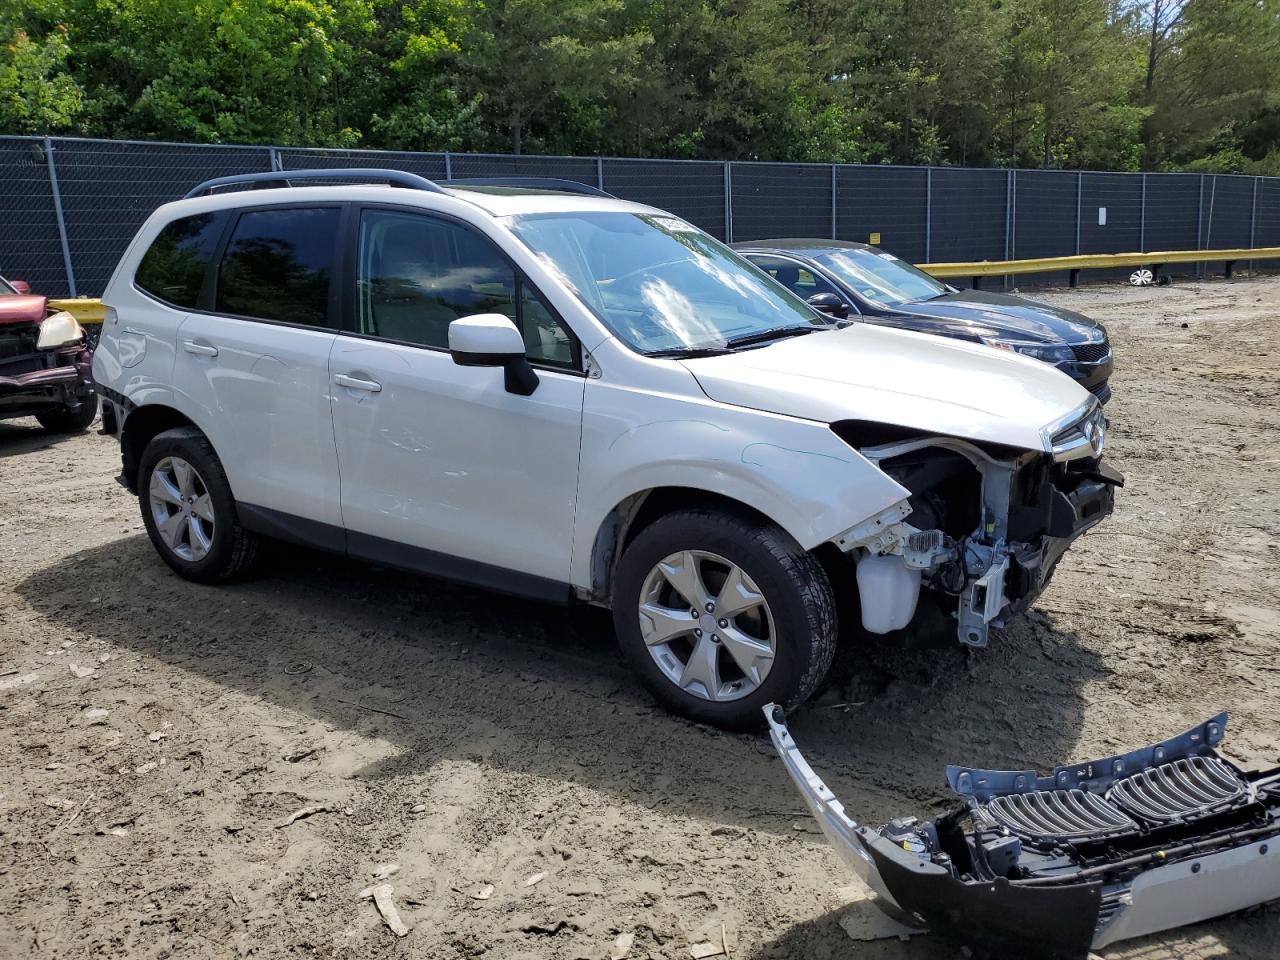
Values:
[(557, 394)]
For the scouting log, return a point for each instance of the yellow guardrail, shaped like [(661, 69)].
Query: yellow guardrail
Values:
[(1098, 261), (84, 309), (91, 310)]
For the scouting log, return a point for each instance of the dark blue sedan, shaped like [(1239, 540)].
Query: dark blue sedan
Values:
[(855, 280)]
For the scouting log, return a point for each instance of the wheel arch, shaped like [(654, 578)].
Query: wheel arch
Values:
[(140, 427), (636, 512)]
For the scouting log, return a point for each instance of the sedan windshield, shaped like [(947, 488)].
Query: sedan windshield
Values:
[(881, 277), (662, 285), (5, 289)]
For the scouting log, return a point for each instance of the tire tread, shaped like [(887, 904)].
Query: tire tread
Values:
[(243, 546), (802, 569)]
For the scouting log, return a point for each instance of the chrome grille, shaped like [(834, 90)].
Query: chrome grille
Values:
[(1182, 790), (1091, 352), (1059, 815)]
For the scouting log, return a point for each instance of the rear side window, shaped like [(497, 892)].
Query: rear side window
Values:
[(174, 265), (278, 264)]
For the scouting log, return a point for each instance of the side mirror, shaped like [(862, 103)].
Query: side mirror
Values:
[(492, 340), (21, 286), (829, 303)]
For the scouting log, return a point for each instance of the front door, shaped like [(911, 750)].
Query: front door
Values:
[(441, 468)]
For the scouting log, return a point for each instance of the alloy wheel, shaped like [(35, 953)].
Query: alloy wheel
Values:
[(181, 508), (707, 625)]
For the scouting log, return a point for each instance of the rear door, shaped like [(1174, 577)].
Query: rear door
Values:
[(255, 362)]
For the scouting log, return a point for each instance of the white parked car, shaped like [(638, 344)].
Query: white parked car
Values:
[(560, 395)]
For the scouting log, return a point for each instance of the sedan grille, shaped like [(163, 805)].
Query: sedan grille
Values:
[(18, 341), (1185, 789), (1059, 815), (1091, 352)]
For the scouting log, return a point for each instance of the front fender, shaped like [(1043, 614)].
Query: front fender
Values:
[(796, 472)]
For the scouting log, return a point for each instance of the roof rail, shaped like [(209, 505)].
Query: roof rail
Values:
[(535, 183), (288, 178)]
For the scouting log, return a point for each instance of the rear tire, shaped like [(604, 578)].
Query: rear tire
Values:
[(189, 510), (68, 420), (753, 622)]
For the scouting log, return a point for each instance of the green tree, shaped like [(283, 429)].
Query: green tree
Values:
[(1219, 83), (1057, 83), (1070, 67), (535, 63), (36, 93)]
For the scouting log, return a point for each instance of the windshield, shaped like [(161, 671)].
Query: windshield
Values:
[(881, 277), (5, 289), (660, 284)]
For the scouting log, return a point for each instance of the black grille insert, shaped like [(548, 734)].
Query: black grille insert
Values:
[(1059, 815), (18, 341), (1182, 790), (1091, 352)]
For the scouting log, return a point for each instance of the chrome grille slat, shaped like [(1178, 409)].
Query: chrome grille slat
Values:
[(1200, 784), (1184, 789), (1175, 791), (1058, 815)]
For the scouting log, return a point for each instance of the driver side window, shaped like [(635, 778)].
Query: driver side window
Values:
[(801, 281), (418, 274)]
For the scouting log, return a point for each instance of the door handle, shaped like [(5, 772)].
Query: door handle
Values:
[(200, 348), (355, 383)]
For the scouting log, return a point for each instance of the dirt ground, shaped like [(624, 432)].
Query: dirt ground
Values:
[(479, 742)]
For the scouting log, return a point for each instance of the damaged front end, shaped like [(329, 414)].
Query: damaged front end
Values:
[(1053, 867), (988, 524), (44, 360)]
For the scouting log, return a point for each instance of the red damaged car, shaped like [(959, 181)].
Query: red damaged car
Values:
[(44, 362)]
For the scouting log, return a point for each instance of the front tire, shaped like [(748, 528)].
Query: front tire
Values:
[(68, 419), (721, 614), (189, 511)]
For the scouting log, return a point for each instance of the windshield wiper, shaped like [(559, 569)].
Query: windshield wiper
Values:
[(747, 339), (777, 333), (688, 353)]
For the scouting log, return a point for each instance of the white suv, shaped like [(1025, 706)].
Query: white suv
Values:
[(561, 395)]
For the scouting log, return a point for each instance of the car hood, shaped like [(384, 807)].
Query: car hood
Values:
[(897, 377), (980, 310), (23, 308)]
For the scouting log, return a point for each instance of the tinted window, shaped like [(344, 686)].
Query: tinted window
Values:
[(799, 280), (881, 277), (277, 266), (173, 267), (418, 274)]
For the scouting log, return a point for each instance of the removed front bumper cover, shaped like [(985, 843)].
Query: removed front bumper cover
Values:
[(1055, 866)]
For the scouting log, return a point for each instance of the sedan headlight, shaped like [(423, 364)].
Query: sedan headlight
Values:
[(1048, 352), (58, 330)]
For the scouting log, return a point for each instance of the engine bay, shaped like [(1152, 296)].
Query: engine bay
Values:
[(984, 526)]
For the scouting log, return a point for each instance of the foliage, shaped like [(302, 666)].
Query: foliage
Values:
[(1116, 84), (37, 95)]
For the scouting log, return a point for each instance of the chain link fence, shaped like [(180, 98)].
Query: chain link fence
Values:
[(69, 206)]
